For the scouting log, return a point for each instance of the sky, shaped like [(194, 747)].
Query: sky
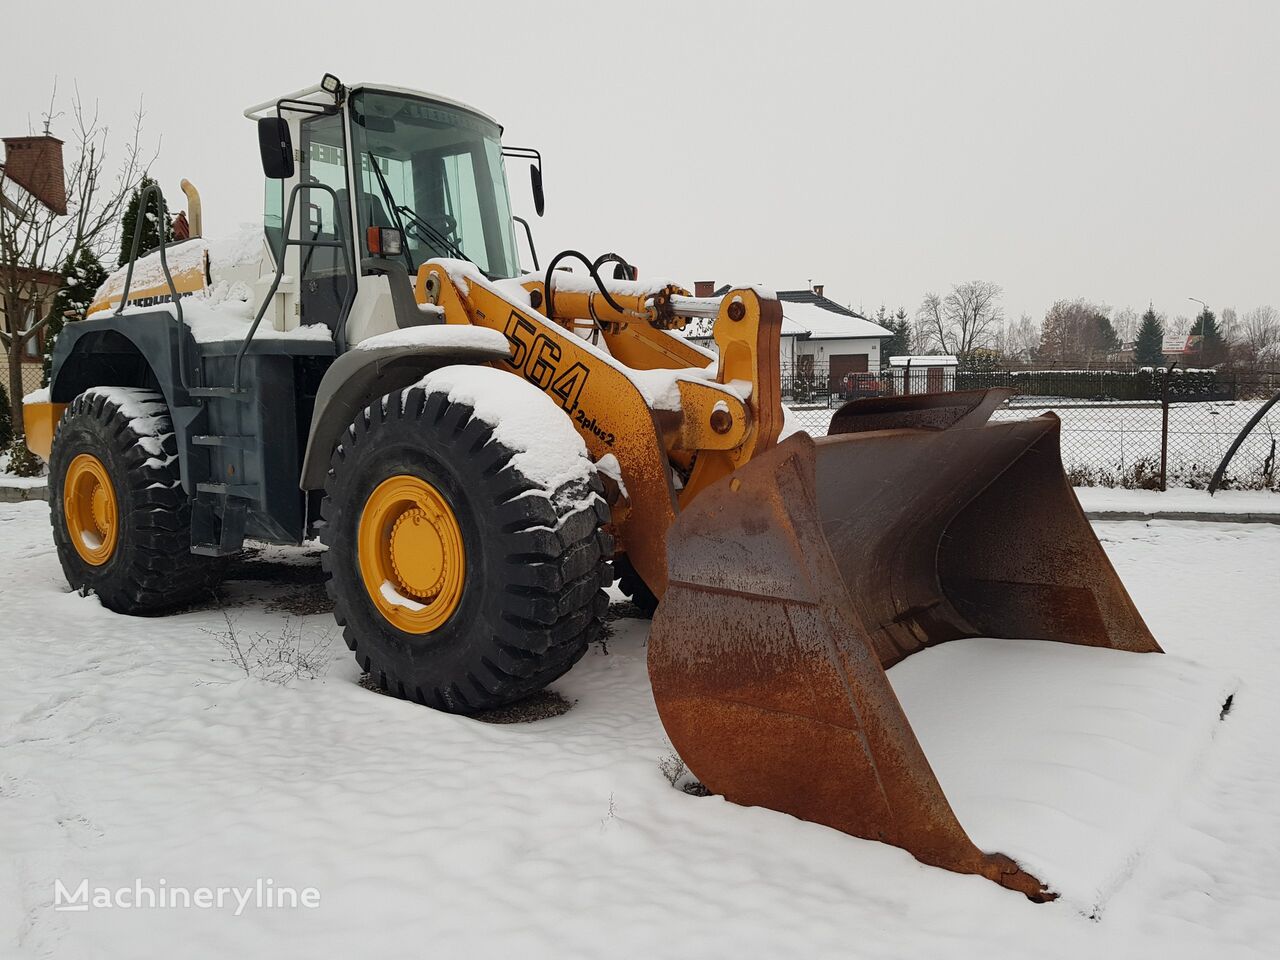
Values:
[(1123, 152)]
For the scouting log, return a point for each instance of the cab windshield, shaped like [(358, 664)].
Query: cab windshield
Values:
[(439, 175)]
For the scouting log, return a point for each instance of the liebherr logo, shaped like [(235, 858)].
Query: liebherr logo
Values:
[(262, 894)]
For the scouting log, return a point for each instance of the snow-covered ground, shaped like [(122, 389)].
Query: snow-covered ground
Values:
[(131, 750), (1179, 500)]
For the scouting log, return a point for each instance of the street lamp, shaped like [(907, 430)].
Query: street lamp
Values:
[(1203, 324)]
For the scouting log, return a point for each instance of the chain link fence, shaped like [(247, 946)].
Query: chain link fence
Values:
[(32, 377), (1120, 428)]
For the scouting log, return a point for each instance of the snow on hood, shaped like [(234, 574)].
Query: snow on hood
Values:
[(233, 257), (240, 249), (224, 312)]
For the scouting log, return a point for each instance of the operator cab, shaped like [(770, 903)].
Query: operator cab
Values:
[(385, 179)]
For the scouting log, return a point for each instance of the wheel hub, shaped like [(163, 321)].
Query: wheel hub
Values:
[(418, 553), (411, 554), (89, 507), (103, 512)]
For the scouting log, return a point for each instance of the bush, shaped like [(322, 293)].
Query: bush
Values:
[(1145, 383), (22, 462), (6, 419)]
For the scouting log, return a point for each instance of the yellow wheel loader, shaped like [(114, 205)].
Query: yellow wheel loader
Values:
[(479, 446)]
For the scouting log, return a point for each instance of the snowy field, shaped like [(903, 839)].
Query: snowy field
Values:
[(132, 751), (1103, 441)]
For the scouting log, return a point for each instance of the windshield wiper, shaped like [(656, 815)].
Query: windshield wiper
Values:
[(433, 234)]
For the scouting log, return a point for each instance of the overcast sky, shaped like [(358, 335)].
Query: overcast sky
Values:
[(1123, 152)]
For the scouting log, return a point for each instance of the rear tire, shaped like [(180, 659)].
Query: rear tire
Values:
[(143, 564), (536, 559)]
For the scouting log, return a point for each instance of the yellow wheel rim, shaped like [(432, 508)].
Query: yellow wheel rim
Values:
[(89, 504), (411, 555)]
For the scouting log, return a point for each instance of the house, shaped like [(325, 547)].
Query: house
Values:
[(31, 175), (821, 340)]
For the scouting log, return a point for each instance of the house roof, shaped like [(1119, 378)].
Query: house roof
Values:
[(12, 194), (811, 316), (806, 316)]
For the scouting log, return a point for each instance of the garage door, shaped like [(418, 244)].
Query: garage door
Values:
[(843, 364)]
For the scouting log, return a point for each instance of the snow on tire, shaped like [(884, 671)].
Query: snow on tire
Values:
[(526, 522), (141, 562)]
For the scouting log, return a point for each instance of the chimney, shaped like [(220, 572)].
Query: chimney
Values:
[(35, 164), (704, 288), (817, 288)]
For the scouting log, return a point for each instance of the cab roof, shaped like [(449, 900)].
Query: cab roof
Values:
[(315, 92)]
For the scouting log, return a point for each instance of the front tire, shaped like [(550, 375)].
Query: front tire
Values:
[(121, 520), (459, 582)]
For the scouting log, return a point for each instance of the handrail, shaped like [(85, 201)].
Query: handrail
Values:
[(153, 189), (251, 113), (161, 212), (340, 242)]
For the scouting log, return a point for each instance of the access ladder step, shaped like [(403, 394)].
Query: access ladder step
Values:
[(218, 532), (221, 440), (241, 491), (225, 392)]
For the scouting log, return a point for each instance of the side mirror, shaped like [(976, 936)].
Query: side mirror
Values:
[(276, 146), (535, 181)]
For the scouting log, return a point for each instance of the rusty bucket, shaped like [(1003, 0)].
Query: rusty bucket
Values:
[(798, 580)]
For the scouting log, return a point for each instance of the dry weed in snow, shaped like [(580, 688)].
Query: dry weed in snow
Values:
[(277, 658)]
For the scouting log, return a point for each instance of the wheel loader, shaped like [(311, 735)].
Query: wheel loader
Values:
[(483, 450)]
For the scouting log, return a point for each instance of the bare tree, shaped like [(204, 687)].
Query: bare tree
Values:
[(1018, 339), (1077, 331), (965, 319), (36, 240), (1125, 322), (1229, 324), (931, 328), (1258, 333)]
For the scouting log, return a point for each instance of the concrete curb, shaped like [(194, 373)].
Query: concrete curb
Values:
[(21, 494), (1203, 516)]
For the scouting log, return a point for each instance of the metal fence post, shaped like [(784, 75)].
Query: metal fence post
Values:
[(1164, 429)]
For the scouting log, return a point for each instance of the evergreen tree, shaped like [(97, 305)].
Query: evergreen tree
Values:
[(1149, 349), (899, 345), (151, 229), (1212, 350), (80, 280), (1102, 338)]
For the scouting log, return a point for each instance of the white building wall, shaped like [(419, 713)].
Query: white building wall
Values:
[(822, 350)]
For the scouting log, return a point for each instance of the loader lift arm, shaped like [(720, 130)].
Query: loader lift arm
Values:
[(639, 393)]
